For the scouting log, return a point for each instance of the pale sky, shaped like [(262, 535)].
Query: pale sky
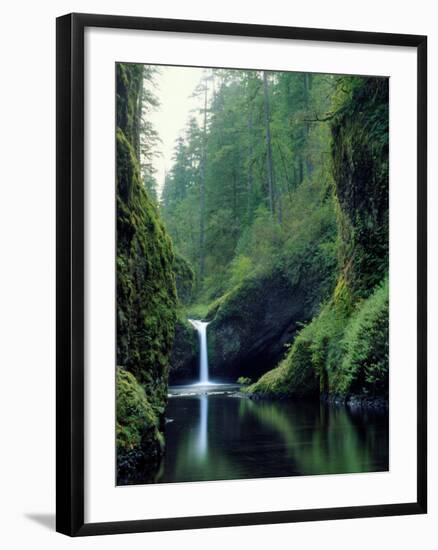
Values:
[(174, 87)]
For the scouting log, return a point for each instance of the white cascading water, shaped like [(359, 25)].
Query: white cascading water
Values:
[(201, 329)]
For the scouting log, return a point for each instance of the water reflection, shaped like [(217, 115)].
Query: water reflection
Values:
[(216, 437), (203, 426)]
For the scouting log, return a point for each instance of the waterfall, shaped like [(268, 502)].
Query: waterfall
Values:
[(201, 329)]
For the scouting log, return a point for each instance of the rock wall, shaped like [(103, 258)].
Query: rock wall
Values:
[(253, 325), (360, 153), (184, 359)]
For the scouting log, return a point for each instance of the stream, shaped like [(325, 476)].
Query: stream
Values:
[(217, 435), (214, 433)]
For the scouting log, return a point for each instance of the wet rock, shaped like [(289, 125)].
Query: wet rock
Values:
[(248, 334)]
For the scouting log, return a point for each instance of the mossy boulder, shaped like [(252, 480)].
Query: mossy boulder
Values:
[(300, 372), (140, 441), (253, 323)]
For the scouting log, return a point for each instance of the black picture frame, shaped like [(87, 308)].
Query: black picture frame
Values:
[(70, 273)]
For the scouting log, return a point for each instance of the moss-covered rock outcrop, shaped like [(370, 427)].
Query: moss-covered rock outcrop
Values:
[(140, 442), (360, 153), (344, 350), (253, 324), (146, 294)]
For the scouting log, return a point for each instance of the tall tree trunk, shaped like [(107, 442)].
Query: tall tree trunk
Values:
[(300, 168), (138, 113), (235, 214), (268, 145), (288, 179), (202, 192), (250, 181), (307, 86), (236, 173), (279, 208)]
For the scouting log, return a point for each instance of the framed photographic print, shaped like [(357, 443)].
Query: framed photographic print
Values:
[(241, 274)]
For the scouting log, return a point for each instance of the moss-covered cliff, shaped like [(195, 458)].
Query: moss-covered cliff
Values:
[(184, 279), (344, 350), (360, 153), (146, 294)]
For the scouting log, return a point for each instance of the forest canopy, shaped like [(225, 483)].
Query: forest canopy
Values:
[(231, 199)]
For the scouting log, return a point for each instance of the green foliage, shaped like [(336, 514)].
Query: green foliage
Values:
[(324, 335), (364, 367), (198, 311), (243, 237), (303, 245), (240, 268), (244, 380)]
